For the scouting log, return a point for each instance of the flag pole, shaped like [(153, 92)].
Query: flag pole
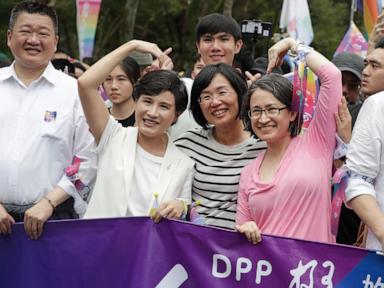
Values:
[(353, 9)]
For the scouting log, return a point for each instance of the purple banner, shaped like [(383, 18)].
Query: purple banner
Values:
[(135, 252)]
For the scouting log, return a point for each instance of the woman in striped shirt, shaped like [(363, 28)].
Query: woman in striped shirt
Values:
[(221, 147)]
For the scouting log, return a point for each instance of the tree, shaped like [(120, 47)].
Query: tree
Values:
[(172, 23), (227, 7)]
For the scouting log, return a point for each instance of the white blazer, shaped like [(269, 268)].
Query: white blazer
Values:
[(114, 177)]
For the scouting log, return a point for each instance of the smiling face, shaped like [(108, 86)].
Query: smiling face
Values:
[(218, 48), (270, 129), (118, 86), (155, 114), (32, 41), (218, 102)]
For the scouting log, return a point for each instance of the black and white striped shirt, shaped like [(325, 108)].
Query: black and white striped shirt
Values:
[(218, 168)]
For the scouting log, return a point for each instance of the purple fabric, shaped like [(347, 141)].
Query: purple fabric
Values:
[(135, 252)]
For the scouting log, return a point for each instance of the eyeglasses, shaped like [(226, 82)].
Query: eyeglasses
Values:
[(208, 98), (269, 112)]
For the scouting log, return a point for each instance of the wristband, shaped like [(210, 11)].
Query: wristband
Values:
[(300, 51)]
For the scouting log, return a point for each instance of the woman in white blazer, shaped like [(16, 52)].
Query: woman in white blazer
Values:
[(139, 167)]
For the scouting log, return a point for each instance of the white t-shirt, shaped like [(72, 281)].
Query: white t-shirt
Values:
[(147, 170)]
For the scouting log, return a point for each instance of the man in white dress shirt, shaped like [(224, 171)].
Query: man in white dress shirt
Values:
[(365, 157), (44, 139)]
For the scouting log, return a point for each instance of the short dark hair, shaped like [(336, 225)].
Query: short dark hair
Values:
[(202, 81), (215, 23), (80, 66), (130, 68), (156, 82), (64, 65), (32, 7), (281, 88), (243, 60), (380, 43), (196, 57)]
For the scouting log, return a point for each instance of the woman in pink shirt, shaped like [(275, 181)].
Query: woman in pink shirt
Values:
[(285, 191)]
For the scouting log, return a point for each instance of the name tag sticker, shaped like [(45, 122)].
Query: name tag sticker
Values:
[(50, 116)]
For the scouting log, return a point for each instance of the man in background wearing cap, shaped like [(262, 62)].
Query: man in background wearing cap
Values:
[(143, 59), (365, 190), (351, 67)]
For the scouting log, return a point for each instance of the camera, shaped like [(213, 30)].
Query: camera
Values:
[(256, 28)]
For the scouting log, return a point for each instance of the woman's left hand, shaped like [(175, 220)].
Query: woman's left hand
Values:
[(170, 209)]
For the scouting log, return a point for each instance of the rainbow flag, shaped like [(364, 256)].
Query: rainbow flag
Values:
[(371, 10), (306, 92), (353, 42), (87, 15)]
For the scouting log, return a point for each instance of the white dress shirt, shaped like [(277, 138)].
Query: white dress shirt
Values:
[(365, 157), (42, 128)]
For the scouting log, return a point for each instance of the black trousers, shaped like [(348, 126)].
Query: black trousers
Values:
[(63, 211)]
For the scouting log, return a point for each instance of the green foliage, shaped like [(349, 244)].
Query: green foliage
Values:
[(330, 22), (172, 23)]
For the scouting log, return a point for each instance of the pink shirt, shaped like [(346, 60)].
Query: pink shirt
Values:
[(297, 202)]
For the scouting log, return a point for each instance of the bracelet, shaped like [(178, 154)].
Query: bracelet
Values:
[(50, 202), (303, 51)]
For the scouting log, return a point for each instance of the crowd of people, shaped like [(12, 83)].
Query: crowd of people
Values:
[(228, 142)]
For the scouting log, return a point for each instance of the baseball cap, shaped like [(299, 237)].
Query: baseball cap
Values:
[(346, 61), (260, 66), (143, 59)]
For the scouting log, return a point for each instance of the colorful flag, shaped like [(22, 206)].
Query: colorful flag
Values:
[(306, 92), (296, 19), (371, 12), (154, 205), (353, 42), (87, 14)]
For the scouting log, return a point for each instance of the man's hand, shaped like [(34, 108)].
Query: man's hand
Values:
[(343, 121), (251, 231), (35, 217), (6, 221), (377, 33), (169, 209)]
